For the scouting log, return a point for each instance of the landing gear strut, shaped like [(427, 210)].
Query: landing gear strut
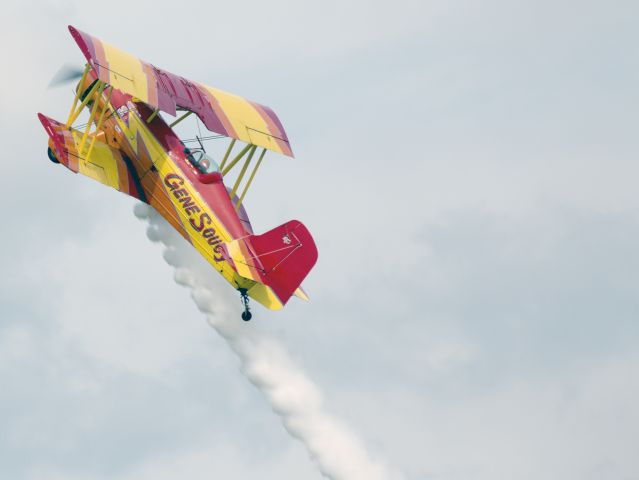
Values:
[(246, 314)]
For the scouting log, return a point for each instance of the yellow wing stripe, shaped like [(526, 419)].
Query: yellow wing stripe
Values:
[(135, 80)]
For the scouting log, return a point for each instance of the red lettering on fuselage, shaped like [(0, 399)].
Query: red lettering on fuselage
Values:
[(201, 223), (192, 209), (173, 181), (180, 192), (204, 218), (186, 202)]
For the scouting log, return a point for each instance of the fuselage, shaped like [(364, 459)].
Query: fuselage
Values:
[(197, 205)]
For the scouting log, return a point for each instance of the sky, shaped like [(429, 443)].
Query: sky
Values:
[(468, 172)]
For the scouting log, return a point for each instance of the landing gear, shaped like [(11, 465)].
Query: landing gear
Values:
[(52, 156), (246, 314)]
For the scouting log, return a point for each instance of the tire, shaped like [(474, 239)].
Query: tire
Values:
[(88, 89), (51, 155)]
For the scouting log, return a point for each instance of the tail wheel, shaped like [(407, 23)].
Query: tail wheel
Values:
[(51, 156), (246, 314)]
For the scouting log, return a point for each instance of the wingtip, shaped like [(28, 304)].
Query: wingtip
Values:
[(44, 120), (75, 33)]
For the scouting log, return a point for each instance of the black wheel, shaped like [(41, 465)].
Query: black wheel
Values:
[(86, 92), (246, 316), (51, 155)]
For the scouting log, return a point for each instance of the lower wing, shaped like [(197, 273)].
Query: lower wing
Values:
[(91, 157)]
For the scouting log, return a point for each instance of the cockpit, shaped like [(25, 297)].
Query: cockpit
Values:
[(201, 161)]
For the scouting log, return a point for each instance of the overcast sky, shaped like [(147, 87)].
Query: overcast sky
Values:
[(468, 170)]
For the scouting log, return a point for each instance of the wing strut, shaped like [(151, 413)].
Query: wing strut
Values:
[(237, 158), (226, 155), (180, 119), (100, 121), (243, 171), (94, 111), (77, 93), (250, 180), (74, 114), (153, 115)]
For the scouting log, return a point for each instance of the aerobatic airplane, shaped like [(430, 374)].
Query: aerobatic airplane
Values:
[(126, 144)]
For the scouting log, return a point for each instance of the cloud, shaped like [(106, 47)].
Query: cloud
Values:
[(468, 172)]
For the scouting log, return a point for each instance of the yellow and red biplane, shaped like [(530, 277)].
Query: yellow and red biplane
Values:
[(134, 150)]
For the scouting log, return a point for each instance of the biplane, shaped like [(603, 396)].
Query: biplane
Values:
[(128, 144)]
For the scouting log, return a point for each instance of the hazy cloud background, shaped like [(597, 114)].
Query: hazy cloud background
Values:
[(468, 170)]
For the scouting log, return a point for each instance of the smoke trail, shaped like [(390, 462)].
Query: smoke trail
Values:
[(337, 452)]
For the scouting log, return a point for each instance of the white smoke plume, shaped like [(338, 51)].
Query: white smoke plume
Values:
[(338, 453)]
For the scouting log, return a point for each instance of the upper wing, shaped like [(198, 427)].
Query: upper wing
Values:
[(221, 112)]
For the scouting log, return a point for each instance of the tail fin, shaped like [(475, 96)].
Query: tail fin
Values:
[(279, 259)]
